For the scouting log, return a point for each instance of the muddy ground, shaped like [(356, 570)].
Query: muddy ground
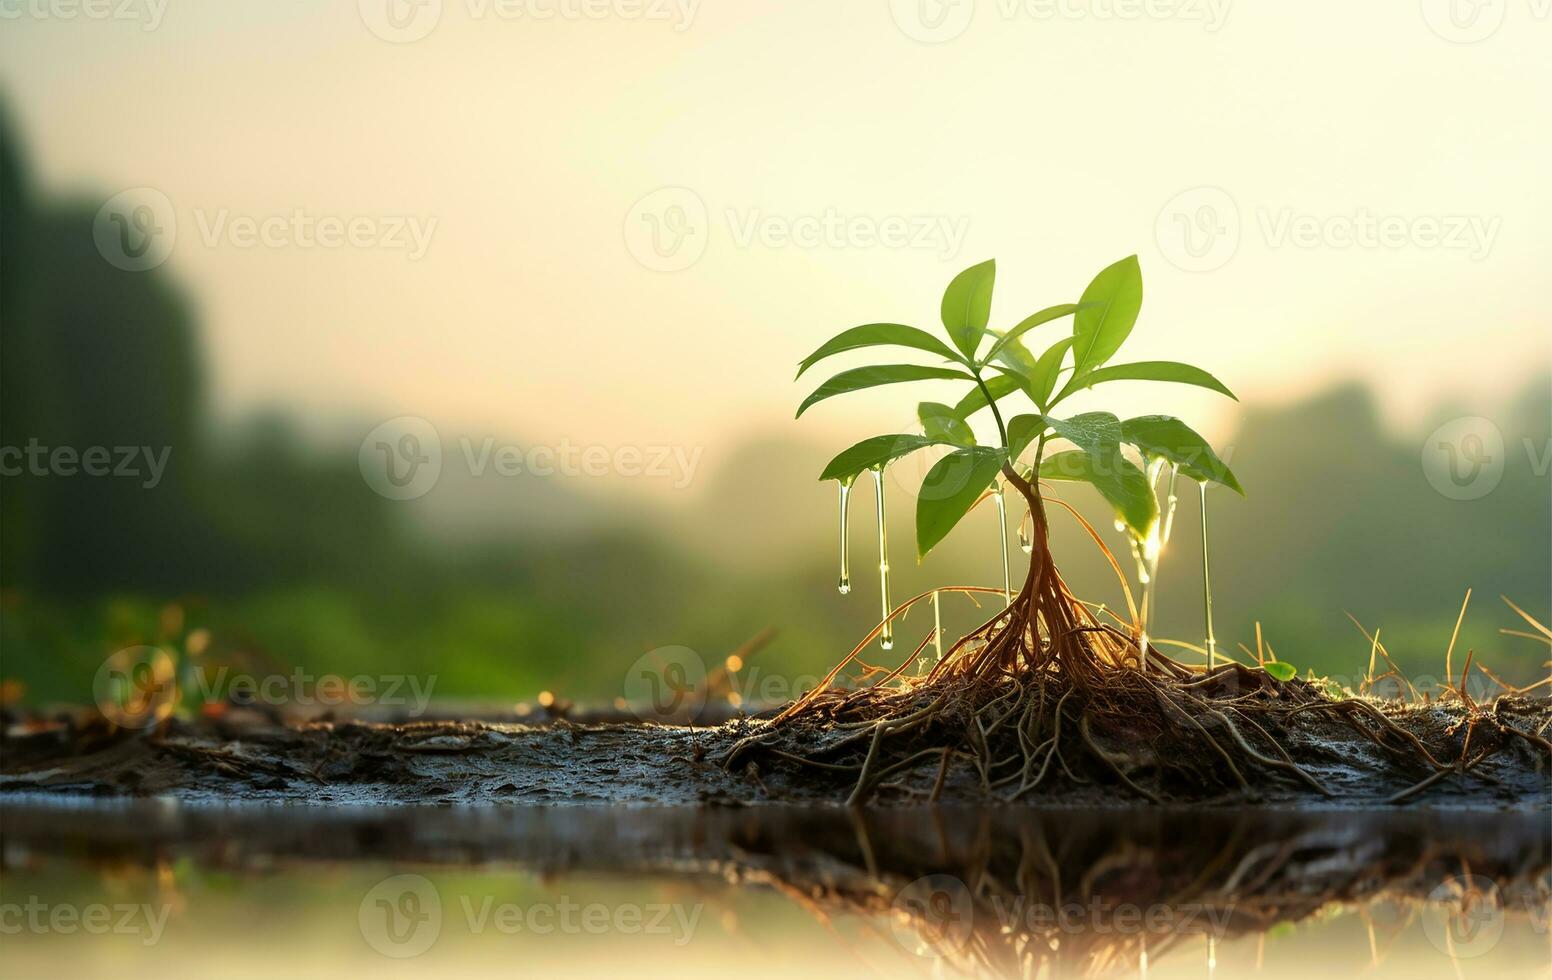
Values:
[(255, 758)]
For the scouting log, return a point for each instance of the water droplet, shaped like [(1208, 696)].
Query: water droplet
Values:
[(937, 626), (886, 637), (1212, 641), (1169, 507), (1002, 541), (1026, 542), (844, 585)]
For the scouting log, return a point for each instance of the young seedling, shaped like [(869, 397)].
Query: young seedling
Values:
[(1045, 658), (997, 365)]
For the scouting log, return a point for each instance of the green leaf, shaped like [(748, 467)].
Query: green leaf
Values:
[(871, 377), (1281, 669), (1027, 324), (1117, 479), (1013, 355), (1023, 430), (1166, 436), (878, 335), (1001, 385), (951, 488), (873, 452), (1042, 380), (967, 305), (1110, 306), (1096, 433), (1148, 371), (942, 424)]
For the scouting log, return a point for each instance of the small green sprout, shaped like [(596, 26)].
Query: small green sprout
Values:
[(997, 365)]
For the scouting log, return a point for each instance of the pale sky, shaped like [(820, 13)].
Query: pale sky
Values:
[(1055, 137)]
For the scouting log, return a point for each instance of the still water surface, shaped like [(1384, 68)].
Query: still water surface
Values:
[(160, 889)]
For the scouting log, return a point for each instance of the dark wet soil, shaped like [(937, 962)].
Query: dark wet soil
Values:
[(263, 760)]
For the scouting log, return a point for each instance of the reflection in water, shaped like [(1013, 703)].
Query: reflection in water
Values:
[(1006, 892)]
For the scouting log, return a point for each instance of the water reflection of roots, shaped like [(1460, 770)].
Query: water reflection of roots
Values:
[(1090, 895), (1046, 690)]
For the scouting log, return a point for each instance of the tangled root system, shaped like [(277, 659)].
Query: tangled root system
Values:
[(1045, 690)]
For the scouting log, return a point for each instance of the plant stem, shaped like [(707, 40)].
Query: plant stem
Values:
[(1002, 430)]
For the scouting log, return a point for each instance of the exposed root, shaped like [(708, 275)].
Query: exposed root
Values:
[(1044, 689)]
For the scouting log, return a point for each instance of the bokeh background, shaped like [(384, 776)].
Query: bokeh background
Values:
[(623, 231)]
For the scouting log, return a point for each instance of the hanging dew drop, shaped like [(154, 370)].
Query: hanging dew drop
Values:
[(1212, 641), (844, 585), (1002, 541), (1169, 506), (886, 636), (937, 626), (1026, 542)]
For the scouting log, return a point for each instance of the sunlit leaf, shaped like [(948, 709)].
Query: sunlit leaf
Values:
[(1001, 386), (1281, 669), (1110, 306), (873, 452), (1027, 324), (871, 377), (878, 335), (1166, 436), (950, 489), (941, 423), (1013, 355), (1042, 379), (1023, 430), (1148, 371), (1096, 433), (967, 305), (1118, 480)]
